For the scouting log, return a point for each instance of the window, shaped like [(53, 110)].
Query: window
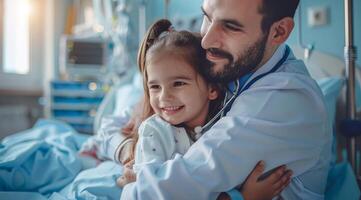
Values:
[(16, 36)]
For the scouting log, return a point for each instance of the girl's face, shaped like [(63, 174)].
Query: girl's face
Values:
[(177, 93)]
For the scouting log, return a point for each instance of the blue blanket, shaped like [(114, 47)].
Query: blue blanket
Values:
[(42, 163)]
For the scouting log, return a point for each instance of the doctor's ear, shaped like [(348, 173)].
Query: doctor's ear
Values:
[(280, 30)]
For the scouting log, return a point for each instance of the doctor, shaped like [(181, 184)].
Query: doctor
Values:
[(275, 111)]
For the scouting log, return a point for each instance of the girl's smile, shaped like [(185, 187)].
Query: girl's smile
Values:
[(177, 93)]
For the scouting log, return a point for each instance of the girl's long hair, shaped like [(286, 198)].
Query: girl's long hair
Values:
[(161, 38)]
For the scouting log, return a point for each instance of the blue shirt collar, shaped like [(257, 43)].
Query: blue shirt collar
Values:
[(242, 81), (276, 57), (278, 54)]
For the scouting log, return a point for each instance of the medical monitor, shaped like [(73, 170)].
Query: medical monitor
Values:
[(84, 58)]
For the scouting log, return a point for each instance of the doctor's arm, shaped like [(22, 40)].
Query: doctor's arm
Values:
[(226, 154)]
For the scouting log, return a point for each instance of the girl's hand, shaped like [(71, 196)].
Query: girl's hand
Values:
[(128, 128), (267, 188), (128, 175), (125, 155)]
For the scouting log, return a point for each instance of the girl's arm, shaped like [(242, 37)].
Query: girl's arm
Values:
[(156, 144), (257, 188)]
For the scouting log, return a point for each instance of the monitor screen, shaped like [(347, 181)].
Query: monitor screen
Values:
[(84, 58), (84, 53)]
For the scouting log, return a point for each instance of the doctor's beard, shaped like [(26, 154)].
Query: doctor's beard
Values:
[(246, 62)]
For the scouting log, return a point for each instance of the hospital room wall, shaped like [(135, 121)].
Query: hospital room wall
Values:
[(328, 38), (59, 13), (177, 9)]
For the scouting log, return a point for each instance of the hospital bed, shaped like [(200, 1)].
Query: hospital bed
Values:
[(42, 162)]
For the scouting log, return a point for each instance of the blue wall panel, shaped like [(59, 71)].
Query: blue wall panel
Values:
[(328, 38)]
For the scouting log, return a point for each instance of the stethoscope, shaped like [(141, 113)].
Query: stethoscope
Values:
[(199, 130)]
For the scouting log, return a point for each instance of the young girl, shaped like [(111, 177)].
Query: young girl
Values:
[(177, 101)]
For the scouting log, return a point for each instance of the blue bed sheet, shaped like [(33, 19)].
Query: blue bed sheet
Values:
[(95, 183), (42, 163)]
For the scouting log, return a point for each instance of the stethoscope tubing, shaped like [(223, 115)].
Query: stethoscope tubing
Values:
[(200, 129)]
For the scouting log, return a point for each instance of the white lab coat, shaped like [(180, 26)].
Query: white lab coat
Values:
[(280, 119)]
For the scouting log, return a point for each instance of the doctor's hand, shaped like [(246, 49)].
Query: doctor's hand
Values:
[(260, 187)]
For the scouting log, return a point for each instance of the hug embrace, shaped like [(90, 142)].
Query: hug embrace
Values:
[(226, 112)]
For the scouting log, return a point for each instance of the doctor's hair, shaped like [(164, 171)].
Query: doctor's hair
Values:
[(275, 10), (161, 40)]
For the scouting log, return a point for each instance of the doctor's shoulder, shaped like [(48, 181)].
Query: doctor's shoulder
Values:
[(286, 90), (288, 80)]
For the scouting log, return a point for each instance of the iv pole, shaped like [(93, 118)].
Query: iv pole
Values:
[(350, 57)]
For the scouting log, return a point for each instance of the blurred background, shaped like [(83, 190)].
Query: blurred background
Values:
[(59, 58)]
